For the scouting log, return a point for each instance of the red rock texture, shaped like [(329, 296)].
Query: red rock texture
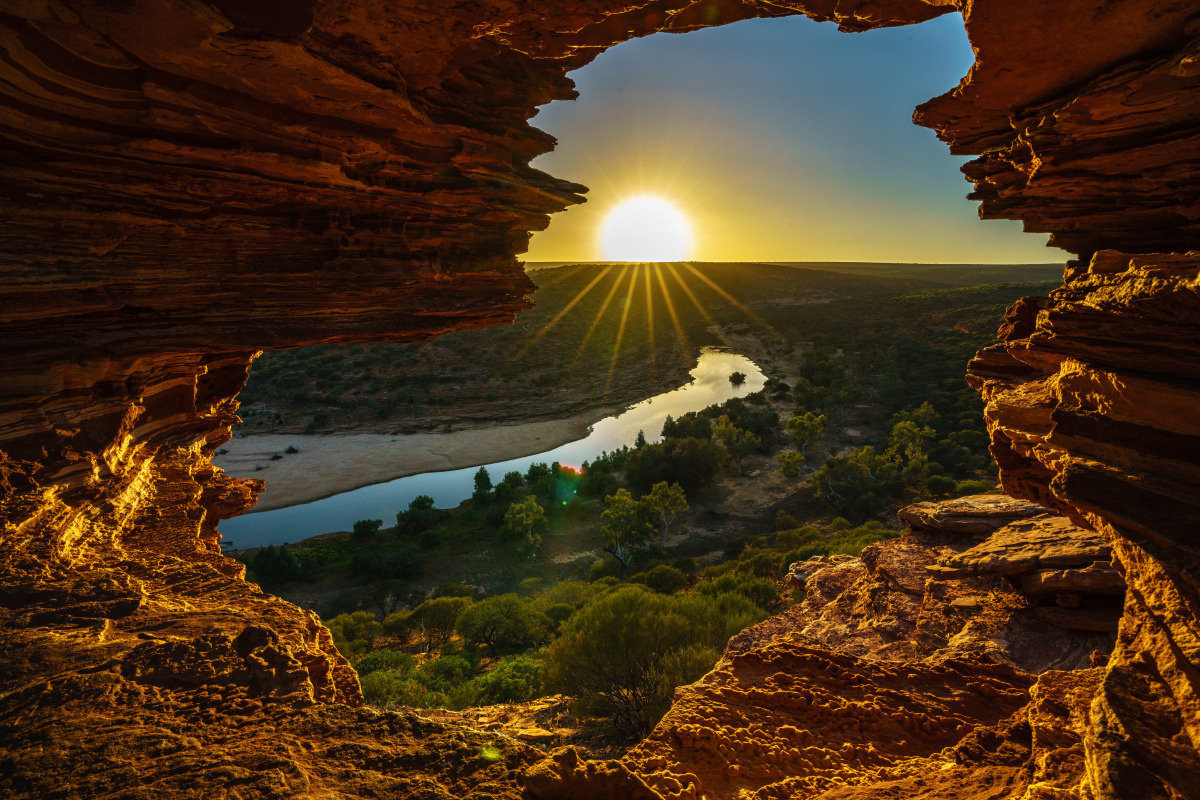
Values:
[(184, 183), (886, 680)]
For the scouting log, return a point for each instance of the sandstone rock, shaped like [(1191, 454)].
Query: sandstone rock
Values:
[(1046, 541), (1097, 578), (975, 514)]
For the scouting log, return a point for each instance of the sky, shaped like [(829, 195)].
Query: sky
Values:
[(779, 139)]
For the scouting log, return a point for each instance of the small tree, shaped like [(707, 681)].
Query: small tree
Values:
[(483, 484), (738, 443), (434, 619), (364, 529), (790, 463), (525, 523), (624, 526), (666, 500), (737, 378), (803, 428), (505, 623)]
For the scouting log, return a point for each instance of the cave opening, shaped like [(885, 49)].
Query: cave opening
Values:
[(184, 185)]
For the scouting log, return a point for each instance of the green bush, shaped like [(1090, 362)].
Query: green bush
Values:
[(354, 632), (760, 563), (974, 487), (785, 521), (388, 688), (690, 462), (572, 593), (384, 659), (759, 591), (513, 680), (798, 537), (623, 654), (605, 568), (433, 620), (558, 613), (662, 579), (939, 485), (504, 624)]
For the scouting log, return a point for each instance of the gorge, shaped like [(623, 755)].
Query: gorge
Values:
[(185, 184)]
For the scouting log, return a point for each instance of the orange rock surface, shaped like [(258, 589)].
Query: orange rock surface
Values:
[(185, 183)]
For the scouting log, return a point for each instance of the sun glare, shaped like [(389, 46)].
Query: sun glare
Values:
[(646, 229)]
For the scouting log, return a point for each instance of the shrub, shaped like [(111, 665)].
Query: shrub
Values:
[(386, 688), (506, 623), (690, 462), (939, 485), (354, 632), (974, 487), (400, 561), (662, 579), (384, 659), (274, 565), (513, 680), (558, 613), (760, 563), (573, 593), (623, 654), (433, 620), (605, 568), (798, 537), (785, 521), (452, 589), (365, 529), (759, 591)]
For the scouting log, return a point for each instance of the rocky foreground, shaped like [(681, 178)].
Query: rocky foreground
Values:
[(183, 184), (942, 653)]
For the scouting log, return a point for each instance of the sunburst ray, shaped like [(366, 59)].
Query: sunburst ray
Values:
[(558, 317)]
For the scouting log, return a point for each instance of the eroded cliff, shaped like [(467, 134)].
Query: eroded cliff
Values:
[(182, 184)]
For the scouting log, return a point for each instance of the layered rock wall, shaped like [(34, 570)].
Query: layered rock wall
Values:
[(185, 183)]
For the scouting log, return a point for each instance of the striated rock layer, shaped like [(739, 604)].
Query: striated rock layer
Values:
[(185, 183)]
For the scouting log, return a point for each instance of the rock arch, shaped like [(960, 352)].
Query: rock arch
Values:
[(183, 184)]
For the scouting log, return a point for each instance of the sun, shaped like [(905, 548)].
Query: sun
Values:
[(646, 229)]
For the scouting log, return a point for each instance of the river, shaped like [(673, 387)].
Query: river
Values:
[(710, 384)]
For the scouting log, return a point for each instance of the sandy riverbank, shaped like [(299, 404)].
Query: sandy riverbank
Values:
[(329, 464)]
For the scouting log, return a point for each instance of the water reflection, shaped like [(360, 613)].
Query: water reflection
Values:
[(710, 384)]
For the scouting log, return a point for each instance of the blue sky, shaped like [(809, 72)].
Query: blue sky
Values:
[(780, 139)]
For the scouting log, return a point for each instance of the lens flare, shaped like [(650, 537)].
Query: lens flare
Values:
[(646, 229)]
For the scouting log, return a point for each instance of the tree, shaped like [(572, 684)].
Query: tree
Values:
[(737, 442), (737, 378), (909, 443), (623, 654), (364, 529), (525, 523), (420, 517), (666, 500), (640, 441), (505, 623), (624, 526), (483, 484), (434, 620), (803, 428), (691, 462)]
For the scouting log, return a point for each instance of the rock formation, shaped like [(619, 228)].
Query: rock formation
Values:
[(184, 183), (887, 678)]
